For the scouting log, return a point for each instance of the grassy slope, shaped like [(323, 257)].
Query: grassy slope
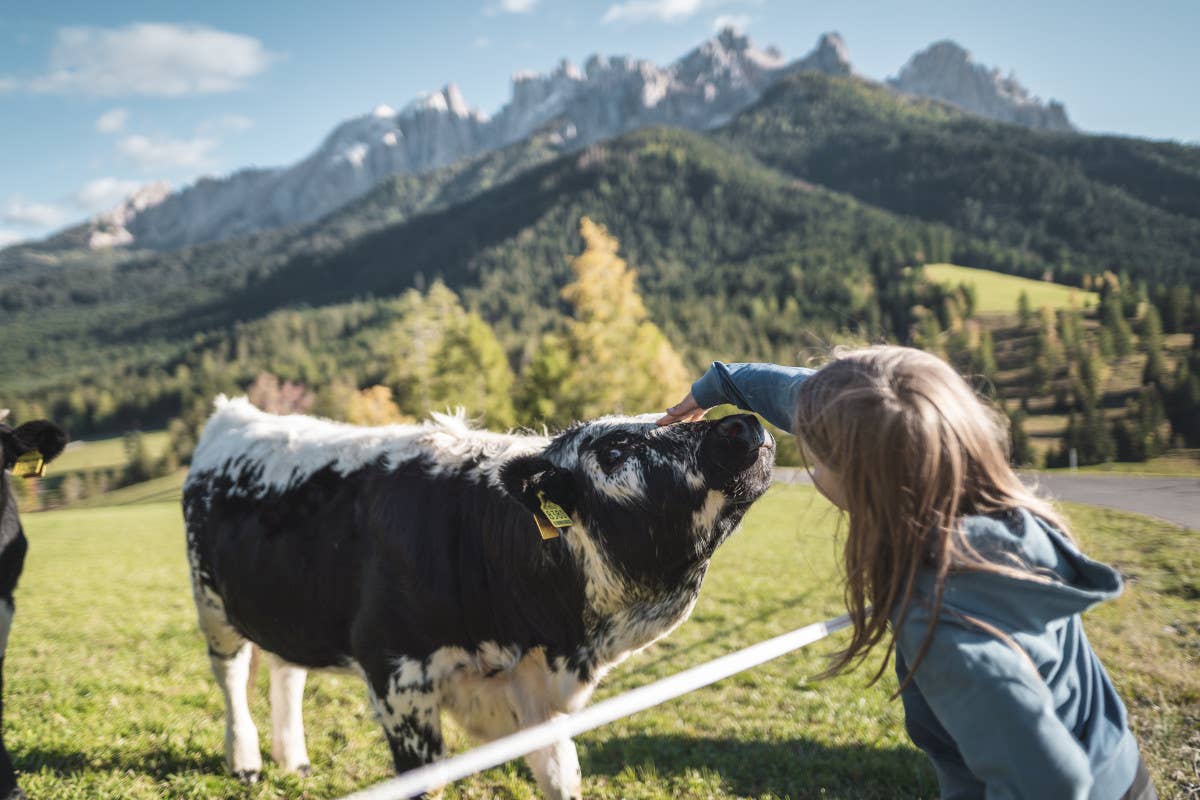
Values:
[(1181, 463), (998, 293), (109, 694), (105, 453), (167, 489)]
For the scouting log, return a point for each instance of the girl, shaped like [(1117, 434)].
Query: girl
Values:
[(975, 577)]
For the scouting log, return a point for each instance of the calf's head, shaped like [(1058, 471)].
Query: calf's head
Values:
[(653, 502), (40, 435)]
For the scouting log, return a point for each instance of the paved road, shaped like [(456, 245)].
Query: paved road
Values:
[(1175, 500)]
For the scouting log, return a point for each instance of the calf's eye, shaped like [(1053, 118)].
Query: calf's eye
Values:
[(615, 454)]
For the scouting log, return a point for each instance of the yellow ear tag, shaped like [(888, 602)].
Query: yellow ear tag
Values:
[(547, 530), (29, 465), (555, 518)]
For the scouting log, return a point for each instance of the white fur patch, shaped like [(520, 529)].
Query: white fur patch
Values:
[(705, 518), (6, 621), (290, 449), (287, 718)]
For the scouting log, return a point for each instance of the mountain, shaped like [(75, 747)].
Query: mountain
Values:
[(789, 226), (946, 71), (730, 255), (608, 97), (1069, 203), (704, 89)]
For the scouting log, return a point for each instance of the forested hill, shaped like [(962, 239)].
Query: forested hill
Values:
[(1082, 203), (790, 226), (732, 257)]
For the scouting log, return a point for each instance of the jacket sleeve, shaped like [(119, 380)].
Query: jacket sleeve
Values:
[(997, 709), (766, 389)]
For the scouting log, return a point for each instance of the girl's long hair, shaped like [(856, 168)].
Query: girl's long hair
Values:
[(915, 450)]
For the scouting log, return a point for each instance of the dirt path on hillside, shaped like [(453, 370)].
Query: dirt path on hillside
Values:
[(1175, 500)]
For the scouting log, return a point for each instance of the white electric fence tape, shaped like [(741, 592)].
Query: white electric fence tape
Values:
[(440, 773)]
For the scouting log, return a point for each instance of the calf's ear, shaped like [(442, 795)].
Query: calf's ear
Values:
[(524, 477), (41, 435)]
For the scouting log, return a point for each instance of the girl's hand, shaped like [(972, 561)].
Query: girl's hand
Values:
[(686, 410)]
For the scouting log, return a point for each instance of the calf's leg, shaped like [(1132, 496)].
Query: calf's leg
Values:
[(556, 769), (232, 658), (8, 777), (406, 702), (287, 723), (241, 736)]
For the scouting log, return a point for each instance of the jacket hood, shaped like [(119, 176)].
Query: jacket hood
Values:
[(1073, 582)]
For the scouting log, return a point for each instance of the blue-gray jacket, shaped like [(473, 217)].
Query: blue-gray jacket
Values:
[(992, 725)]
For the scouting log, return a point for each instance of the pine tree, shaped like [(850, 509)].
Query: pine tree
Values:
[(1140, 436), (374, 406), (1156, 366), (1113, 320), (1048, 356), (609, 358), (985, 356), (469, 369), (447, 358), (1175, 309), (1022, 454), (1024, 309)]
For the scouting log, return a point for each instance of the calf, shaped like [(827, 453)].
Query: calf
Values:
[(411, 554), (48, 440)]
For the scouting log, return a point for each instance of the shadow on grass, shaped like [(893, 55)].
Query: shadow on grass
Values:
[(670, 652), (796, 768), (156, 764)]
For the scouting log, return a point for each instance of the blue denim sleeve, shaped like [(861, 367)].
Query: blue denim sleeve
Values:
[(766, 389)]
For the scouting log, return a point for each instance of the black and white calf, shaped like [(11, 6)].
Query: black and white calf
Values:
[(410, 554), (49, 440)]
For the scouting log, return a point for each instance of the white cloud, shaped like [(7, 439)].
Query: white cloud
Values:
[(112, 121), (103, 194), (19, 211), (509, 7), (8, 237), (7, 84), (152, 153), (739, 22), (225, 124), (481, 42), (151, 58), (652, 10)]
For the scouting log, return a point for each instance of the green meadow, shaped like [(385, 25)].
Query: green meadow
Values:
[(108, 691), (997, 292), (105, 453)]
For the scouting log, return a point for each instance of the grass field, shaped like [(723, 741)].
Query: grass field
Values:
[(1180, 463), (109, 694), (997, 293), (105, 453)]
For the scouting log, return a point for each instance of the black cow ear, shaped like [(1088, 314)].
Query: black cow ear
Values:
[(41, 435), (524, 477)]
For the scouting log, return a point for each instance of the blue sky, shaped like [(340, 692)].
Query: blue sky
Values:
[(98, 98)]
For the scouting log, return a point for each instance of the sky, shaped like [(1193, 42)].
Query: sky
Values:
[(97, 99)]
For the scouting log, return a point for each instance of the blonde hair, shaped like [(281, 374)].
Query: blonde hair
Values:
[(915, 450)]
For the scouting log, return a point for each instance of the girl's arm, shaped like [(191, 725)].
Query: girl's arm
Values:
[(766, 389), (995, 706)]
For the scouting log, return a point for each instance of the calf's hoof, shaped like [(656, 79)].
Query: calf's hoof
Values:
[(16, 794), (247, 776), (304, 770)]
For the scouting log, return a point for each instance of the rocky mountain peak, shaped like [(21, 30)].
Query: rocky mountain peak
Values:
[(830, 56), (946, 71), (109, 229), (705, 88)]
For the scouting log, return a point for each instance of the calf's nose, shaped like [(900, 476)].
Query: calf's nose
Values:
[(741, 429)]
